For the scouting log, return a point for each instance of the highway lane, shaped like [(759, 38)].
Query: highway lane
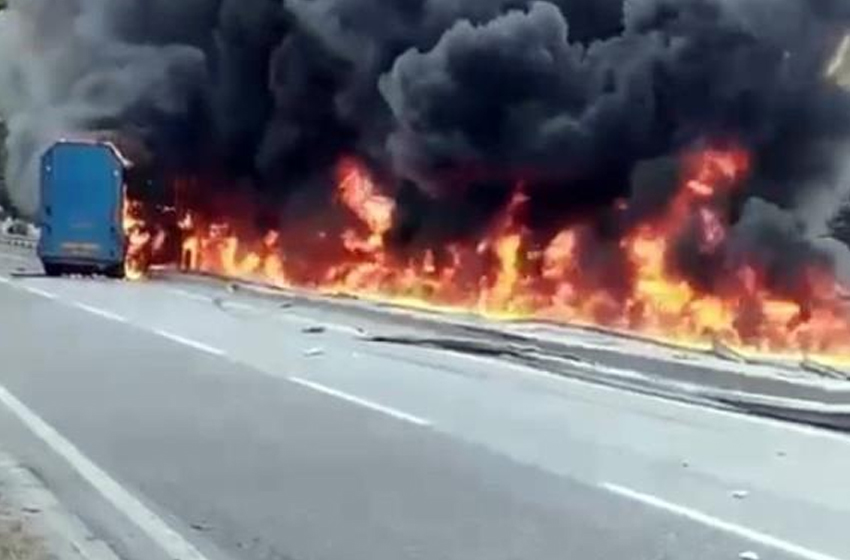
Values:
[(639, 362), (213, 413)]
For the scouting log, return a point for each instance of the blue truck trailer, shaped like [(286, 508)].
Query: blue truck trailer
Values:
[(82, 196)]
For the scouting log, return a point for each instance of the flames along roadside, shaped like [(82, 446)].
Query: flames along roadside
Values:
[(505, 274)]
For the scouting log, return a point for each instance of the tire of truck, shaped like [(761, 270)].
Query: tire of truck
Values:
[(53, 270), (115, 271)]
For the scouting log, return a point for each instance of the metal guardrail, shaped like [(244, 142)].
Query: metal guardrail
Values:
[(18, 241)]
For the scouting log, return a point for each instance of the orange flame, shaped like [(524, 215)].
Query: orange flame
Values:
[(501, 275), (358, 193), (136, 237)]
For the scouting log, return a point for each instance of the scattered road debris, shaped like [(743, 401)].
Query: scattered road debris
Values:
[(726, 352), (317, 329), (17, 544), (34, 525), (823, 370), (740, 494), (749, 555), (314, 352)]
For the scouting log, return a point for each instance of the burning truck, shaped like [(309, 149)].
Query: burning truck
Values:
[(665, 167)]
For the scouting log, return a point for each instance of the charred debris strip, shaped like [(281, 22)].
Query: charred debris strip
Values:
[(676, 167)]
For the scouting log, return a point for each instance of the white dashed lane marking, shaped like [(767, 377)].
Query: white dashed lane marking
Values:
[(100, 312), (693, 515), (40, 292), (389, 411), (189, 342)]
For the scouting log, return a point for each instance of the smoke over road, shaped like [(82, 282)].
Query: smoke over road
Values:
[(586, 105), (453, 96)]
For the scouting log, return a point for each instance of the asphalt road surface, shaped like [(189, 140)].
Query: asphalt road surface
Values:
[(183, 421)]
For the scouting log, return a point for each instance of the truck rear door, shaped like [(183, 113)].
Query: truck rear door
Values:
[(81, 190)]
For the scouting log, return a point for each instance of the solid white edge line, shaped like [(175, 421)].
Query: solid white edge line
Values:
[(190, 343), (171, 542), (389, 411), (693, 515), (100, 312)]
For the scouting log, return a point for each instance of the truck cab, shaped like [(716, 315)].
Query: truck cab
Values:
[(82, 193)]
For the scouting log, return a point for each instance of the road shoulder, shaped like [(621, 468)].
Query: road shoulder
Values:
[(34, 525)]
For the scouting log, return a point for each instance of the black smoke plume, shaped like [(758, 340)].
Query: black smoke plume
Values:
[(451, 103)]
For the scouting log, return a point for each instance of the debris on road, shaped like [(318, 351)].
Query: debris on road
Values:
[(726, 352), (822, 370), (199, 527), (35, 526), (17, 227), (749, 555), (15, 542), (317, 329), (311, 352), (232, 287), (740, 494)]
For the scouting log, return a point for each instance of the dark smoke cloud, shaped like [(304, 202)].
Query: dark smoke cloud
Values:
[(517, 94), (244, 36), (504, 95), (769, 239), (66, 71), (451, 103)]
